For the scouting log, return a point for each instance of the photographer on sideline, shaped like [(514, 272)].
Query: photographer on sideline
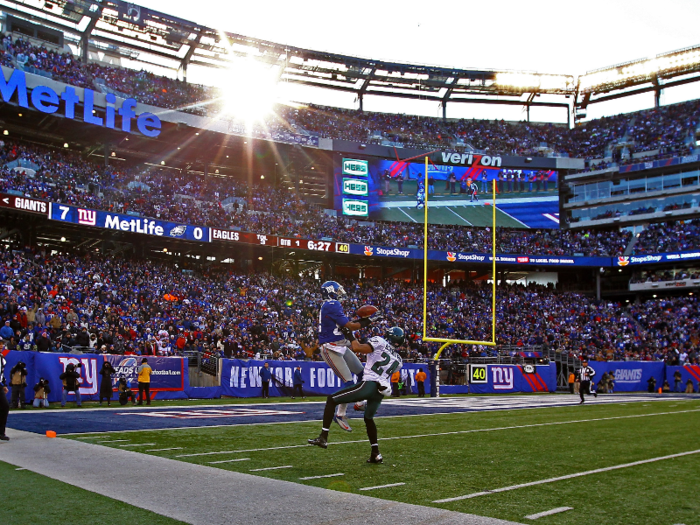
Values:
[(125, 392), (71, 380), (18, 381), (4, 405), (41, 394)]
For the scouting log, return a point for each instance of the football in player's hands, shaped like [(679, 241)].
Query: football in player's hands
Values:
[(366, 310)]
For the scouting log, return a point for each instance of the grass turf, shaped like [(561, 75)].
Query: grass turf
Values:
[(29, 498), (478, 451)]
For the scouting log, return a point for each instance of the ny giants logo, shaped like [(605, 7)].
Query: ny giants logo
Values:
[(87, 217), (88, 373), (502, 377)]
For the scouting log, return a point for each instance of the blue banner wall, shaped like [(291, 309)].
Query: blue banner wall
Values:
[(167, 381), (688, 372), (509, 379), (630, 376), (241, 378)]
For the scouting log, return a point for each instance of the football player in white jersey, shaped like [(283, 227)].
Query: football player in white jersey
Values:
[(382, 362)]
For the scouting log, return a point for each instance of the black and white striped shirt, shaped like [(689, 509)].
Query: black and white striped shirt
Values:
[(2, 369), (586, 373)]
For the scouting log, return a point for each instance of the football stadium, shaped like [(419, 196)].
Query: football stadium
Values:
[(219, 305)]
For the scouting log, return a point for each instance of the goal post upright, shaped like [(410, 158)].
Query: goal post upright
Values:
[(448, 342)]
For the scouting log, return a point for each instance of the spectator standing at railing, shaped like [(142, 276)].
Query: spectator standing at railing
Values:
[(106, 384)]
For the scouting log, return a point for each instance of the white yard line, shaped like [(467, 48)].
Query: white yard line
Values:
[(383, 486), (325, 476), (407, 215), (228, 461), (164, 449), (458, 215), (20, 468), (568, 476), (454, 432), (113, 441), (138, 445), (270, 468), (547, 513)]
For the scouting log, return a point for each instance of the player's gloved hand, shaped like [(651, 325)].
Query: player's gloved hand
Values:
[(348, 334), (376, 317)]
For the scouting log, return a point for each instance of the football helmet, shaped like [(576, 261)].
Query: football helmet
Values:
[(395, 335), (332, 290)]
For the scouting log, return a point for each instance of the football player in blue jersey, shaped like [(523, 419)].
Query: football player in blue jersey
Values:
[(382, 362), (334, 346)]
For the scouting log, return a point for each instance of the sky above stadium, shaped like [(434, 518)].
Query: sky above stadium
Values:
[(546, 35)]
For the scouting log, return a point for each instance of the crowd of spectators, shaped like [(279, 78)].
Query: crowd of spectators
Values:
[(665, 274), (667, 127), (664, 237), (65, 177), (53, 302)]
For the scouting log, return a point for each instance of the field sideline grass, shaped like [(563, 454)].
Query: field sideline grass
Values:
[(444, 466), (30, 499)]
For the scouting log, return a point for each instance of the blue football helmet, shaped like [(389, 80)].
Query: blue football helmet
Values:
[(332, 290)]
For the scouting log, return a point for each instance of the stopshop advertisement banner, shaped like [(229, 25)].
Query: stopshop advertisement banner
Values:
[(241, 378), (167, 380), (630, 376)]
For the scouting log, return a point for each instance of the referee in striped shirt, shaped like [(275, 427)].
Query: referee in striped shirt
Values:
[(4, 405), (585, 375)]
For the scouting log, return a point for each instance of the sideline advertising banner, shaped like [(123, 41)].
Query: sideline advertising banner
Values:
[(506, 379), (167, 380), (630, 376), (241, 378), (688, 373)]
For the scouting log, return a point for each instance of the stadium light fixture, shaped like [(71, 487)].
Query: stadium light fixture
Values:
[(523, 80), (65, 144), (5, 132), (644, 70), (249, 89)]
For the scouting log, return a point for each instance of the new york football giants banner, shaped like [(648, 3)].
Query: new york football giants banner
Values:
[(507, 379), (630, 376), (167, 379), (241, 378)]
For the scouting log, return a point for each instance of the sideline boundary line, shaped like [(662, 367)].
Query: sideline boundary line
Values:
[(498, 409), (454, 432), (568, 476)]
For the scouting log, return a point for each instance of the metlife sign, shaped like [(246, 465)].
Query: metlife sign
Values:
[(127, 223), (46, 100)]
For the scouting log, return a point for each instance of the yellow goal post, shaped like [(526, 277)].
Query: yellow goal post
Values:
[(448, 342)]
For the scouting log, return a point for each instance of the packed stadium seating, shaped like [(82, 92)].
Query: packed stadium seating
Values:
[(63, 176), (669, 237), (134, 305), (668, 127)]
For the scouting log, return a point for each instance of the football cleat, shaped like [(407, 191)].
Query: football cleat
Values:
[(375, 459), (319, 442), (360, 406), (342, 423)]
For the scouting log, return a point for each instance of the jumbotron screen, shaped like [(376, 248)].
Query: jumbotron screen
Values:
[(391, 190)]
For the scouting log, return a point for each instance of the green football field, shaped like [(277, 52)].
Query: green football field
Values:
[(616, 463), (460, 211)]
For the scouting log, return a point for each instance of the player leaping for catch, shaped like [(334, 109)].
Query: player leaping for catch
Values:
[(334, 345), (382, 362)]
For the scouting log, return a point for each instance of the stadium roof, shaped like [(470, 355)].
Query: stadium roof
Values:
[(119, 28)]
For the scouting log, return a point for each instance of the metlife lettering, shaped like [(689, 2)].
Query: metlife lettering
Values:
[(46, 100)]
